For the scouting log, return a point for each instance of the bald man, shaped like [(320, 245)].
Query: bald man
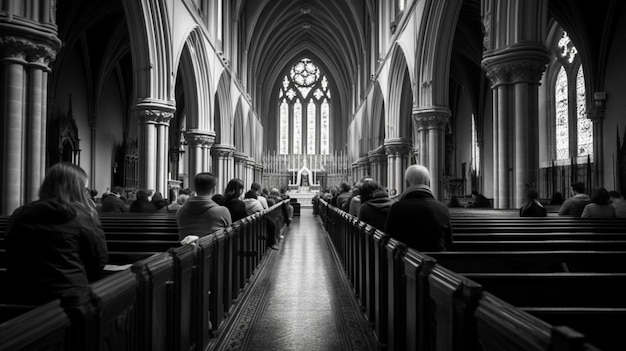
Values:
[(418, 219)]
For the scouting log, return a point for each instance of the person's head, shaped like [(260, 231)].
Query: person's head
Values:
[(557, 198), (251, 194), (118, 191), (143, 195), (274, 192), (417, 175), (204, 183), (181, 199), (344, 187), (256, 187), (218, 198), (578, 188), (234, 189), (600, 196), (66, 183), (157, 196), (369, 189)]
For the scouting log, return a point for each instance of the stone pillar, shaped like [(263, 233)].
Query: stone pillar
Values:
[(429, 125), (26, 51), (515, 74), (223, 170), (398, 151), (378, 166), (595, 113), (199, 152), (152, 146)]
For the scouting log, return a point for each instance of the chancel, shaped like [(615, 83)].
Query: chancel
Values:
[(518, 102)]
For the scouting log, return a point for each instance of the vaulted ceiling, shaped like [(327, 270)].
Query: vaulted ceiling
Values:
[(334, 34)]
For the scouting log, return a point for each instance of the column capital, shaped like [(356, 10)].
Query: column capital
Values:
[(431, 117), (154, 111), (377, 156), (14, 48), (221, 150), (521, 62), (196, 137), (397, 147)]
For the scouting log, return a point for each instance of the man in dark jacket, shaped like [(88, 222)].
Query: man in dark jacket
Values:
[(418, 219), (375, 204), (114, 202), (200, 215)]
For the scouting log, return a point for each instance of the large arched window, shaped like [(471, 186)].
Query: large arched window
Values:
[(304, 107), (573, 130)]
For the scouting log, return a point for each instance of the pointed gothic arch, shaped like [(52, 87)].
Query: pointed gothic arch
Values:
[(223, 113), (398, 114)]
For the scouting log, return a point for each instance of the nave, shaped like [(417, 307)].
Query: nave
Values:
[(300, 299)]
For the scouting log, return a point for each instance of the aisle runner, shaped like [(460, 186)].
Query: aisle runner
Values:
[(300, 300)]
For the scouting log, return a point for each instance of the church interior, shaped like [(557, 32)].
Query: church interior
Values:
[(492, 96)]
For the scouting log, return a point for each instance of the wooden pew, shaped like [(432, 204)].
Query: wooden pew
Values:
[(42, 328), (540, 245), (591, 303), (532, 261), (500, 326)]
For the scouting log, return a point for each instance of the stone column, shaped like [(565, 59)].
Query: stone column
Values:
[(378, 166), (515, 74), (25, 65), (398, 151), (199, 152), (429, 125), (595, 113), (153, 145), (223, 170)]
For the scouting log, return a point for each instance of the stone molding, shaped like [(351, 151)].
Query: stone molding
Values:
[(156, 116), (196, 138), (13, 48)]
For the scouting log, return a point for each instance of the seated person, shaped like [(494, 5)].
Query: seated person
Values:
[(575, 205), (55, 244), (532, 207)]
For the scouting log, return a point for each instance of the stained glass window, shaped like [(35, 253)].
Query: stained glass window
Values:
[(570, 113), (297, 127), (284, 127), (475, 165), (310, 131), (305, 96), (585, 126), (562, 116)]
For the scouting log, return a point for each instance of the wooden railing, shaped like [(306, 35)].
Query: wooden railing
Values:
[(415, 303), (173, 300)]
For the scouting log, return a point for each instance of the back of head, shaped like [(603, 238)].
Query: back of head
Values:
[(118, 190), (143, 194), (234, 188), (66, 183), (600, 196), (204, 183), (417, 175), (367, 189), (250, 194), (344, 187), (181, 199), (255, 186), (578, 187)]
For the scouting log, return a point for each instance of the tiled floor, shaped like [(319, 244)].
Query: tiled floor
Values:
[(301, 300)]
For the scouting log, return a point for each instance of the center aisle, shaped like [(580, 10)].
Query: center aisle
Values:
[(301, 299)]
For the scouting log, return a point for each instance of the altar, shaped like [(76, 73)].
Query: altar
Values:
[(303, 185)]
